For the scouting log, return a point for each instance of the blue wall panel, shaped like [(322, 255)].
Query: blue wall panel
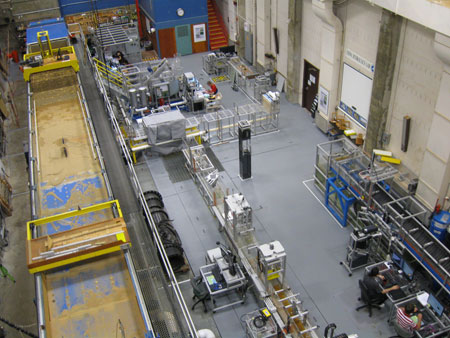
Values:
[(163, 13), (69, 7)]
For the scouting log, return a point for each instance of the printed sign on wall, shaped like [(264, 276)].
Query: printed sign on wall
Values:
[(199, 33)]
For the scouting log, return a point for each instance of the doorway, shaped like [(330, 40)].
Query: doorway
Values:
[(310, 85), (183, 38)]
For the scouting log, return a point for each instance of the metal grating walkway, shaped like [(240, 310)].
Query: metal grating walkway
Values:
[(156, 292)]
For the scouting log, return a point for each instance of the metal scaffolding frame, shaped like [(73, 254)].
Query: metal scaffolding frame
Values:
[(401, 219)]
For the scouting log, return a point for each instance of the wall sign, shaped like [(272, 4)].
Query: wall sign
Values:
[(323, 100), (199, 33), (360, 60)]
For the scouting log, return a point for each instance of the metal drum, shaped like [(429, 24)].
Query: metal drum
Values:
[(133, 97)]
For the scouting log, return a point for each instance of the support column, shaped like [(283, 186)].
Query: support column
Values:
[(241, 33), (294, 57), (388, 45), (434, 179), (331, 45)]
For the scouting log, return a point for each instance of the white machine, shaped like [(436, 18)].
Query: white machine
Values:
[(272, 262), (238, 215)]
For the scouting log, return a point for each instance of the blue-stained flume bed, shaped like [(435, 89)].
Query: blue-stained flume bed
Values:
[(57, 198)]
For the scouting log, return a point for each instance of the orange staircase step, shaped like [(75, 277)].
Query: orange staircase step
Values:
[(217, 37)]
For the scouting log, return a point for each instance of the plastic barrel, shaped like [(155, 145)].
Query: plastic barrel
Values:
[(439, 225)]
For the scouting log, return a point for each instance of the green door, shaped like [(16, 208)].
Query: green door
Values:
[(183, 37)]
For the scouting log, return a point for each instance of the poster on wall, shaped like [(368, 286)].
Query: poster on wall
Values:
[(199, 33), (323, 100)]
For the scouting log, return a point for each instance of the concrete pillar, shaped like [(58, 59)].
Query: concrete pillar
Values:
[(294, 57), (331, 44), (241, 33), (434, 179), (388, 42)]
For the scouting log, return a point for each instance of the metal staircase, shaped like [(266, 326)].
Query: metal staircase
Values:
[(218, 36)]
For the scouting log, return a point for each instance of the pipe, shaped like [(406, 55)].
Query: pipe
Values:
[(36, 137), (30, 147), (37, 11), (441, 46), (94, 138), (138, 15), (138, 290), (86, 125), (37, 277)]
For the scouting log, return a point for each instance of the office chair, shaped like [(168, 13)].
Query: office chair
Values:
[(200, 291), (401, 332), (365, 298)]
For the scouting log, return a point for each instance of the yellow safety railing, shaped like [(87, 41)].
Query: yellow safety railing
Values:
[(121, 237), (64, 215), (108, 73), (44, 52), (62, 50), (50, 62)]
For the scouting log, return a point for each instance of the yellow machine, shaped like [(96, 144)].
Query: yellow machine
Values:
[(49, 58)]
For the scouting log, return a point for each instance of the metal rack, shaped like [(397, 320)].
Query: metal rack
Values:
[(361, 250), (267, 273), (401, 219), (407, 217)]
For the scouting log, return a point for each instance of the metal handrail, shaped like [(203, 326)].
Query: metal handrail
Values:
[(105, 69), (134, 179)]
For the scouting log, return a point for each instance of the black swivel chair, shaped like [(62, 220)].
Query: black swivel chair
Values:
[(200, 291), (366, 299)]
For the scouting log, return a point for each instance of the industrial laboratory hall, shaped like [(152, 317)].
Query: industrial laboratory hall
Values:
[(225, 168)]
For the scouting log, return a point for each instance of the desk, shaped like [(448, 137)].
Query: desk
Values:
[(436, 327), (236, 283), (403, 282)]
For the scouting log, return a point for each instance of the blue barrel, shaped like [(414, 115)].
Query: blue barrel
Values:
[(439, 225)]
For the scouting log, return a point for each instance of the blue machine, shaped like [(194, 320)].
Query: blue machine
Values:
[(439, 224)]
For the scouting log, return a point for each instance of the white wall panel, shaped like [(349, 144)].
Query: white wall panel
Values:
[(283, 18), (310, 40), (415, 93), (362, 30)]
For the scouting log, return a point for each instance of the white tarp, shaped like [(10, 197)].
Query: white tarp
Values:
[(165, 131)]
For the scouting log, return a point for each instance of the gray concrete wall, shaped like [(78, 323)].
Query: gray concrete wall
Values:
[(310, 48), (389, 37), (34, 10), (294, 47), (224, 10)]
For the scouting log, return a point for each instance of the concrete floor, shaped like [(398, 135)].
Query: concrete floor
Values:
[(283, 205), (287, 207)]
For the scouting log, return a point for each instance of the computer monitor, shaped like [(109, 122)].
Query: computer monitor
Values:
[(229, 257), (408, 270), (397, 260), (435, 305)]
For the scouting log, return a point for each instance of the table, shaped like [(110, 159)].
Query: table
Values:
[(236, 283), (434, 328), (383, 267)]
